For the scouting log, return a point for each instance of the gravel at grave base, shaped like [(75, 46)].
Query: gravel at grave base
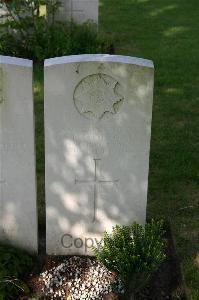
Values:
[(76, 276), (163, 285)]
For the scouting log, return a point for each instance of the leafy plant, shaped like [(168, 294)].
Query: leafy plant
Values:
[(133, 252), (14, 263), (27, 33)]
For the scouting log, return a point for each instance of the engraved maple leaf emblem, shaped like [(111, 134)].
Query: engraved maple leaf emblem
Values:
[(96, 95)]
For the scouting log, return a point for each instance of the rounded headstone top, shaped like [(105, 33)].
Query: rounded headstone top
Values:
[(99, 58), (9, 60)]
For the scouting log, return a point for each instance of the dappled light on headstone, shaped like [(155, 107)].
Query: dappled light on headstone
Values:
[(18, 211), (97, 134)]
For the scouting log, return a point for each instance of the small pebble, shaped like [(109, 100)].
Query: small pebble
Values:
[(89, 280)]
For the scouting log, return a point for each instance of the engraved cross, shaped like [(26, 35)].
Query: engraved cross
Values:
[(95, 181)]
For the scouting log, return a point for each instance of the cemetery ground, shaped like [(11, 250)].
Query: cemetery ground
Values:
[(165, 31)]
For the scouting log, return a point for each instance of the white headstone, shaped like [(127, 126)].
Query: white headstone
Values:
[(79, 11), (98, 111), (18, 213)]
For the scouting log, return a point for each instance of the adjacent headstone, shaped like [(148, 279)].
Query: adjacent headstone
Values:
[(79, 11), (98, 111), (3, 13), (18, 211)]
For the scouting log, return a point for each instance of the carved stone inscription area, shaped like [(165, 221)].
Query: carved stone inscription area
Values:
[(95, 181), (98, 94)]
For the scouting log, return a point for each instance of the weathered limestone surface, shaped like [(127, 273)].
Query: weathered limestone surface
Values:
[(18, 211), (98, 111), (79, 10)]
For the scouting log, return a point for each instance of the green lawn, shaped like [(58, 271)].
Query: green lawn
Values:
[(166, 31)]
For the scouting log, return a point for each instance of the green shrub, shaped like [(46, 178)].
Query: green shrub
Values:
[(26, 33), (14, 263), (133, 252)]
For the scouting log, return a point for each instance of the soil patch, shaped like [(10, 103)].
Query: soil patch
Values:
[(58, 277)]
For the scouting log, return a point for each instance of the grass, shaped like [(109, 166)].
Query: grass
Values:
[(166, 31), (39, 132)]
